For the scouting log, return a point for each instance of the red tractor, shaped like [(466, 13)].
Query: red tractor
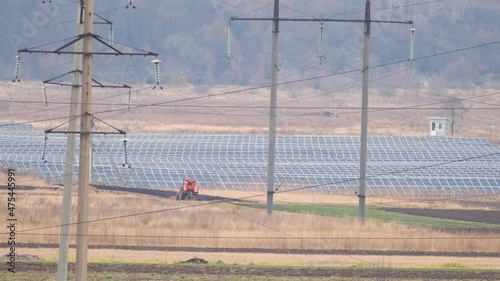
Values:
[(188, 190)]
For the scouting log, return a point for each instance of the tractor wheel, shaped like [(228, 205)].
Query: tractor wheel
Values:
[(184, 195)]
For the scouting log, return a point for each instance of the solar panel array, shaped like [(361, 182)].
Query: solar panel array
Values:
[(315, 163), (13, 126)]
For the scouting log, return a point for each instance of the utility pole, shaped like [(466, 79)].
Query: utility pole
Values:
[(364, 114), (272, 115), (51, 115), (87, 37), (454, 104), (62, 265), (334, 114), (10, 109), (85, 145), (364, 126)]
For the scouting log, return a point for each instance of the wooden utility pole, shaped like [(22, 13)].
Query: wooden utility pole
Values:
[(272, 115), (62, 265), (85, 145)]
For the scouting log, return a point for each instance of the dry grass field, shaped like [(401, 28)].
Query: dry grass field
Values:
[(184, 108), (119, 219), (122, 218), (128, 219)]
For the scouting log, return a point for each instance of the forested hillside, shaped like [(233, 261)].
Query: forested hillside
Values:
[(191, 37), (455, 74)]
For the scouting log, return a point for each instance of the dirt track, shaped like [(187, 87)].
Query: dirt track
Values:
[(491, 217), (374, 273), (290, 272), (164, 193)]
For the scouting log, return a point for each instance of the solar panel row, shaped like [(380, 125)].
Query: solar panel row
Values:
[(12, 126), (323, 163)]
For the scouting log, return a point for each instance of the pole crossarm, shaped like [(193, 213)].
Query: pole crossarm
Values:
[(320, 20), (92, 133), (94, 86), (99, 85), (117, 132), (115, 52), (367, 21), (105, 21)]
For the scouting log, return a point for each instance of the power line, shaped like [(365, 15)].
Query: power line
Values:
[(174, 104), (211, 203), (194, 237), (17, 9), (317, 77), (50, 25), (36, 28), (305, 79), (260, 195), (355, 70), (405, 6)]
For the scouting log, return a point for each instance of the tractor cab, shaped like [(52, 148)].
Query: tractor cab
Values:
[(188, 190)]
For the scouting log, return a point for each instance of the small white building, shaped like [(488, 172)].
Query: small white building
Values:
[(440, 126)]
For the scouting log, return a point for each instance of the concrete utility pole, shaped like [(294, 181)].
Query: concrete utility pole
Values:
[(364, 114), (272, 115), (454, 105), (62, 265), (364, 126), (87, 16), (10, 109), (334, 114), (85, 145)]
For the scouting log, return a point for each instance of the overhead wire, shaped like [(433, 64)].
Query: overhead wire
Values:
[(174, 104), (254, 10), (36, 28), (190, 237), (312, 78), (447, 52), (240, 198), (413, 107), (305, 240), (18, 9), (406, 6), (264, 194), (298, 102), (415, 4), (54, 24), (354, 10)]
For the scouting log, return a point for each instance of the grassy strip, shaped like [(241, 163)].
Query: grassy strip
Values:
[(377, 215)]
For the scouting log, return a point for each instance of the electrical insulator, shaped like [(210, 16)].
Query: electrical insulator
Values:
[(17, 69), (45, 147), (156, 63), (130, 4), (129, 98), (229, 54), (111, 35), (125, 164), (45, 95), (412, 46), (320, 54)]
